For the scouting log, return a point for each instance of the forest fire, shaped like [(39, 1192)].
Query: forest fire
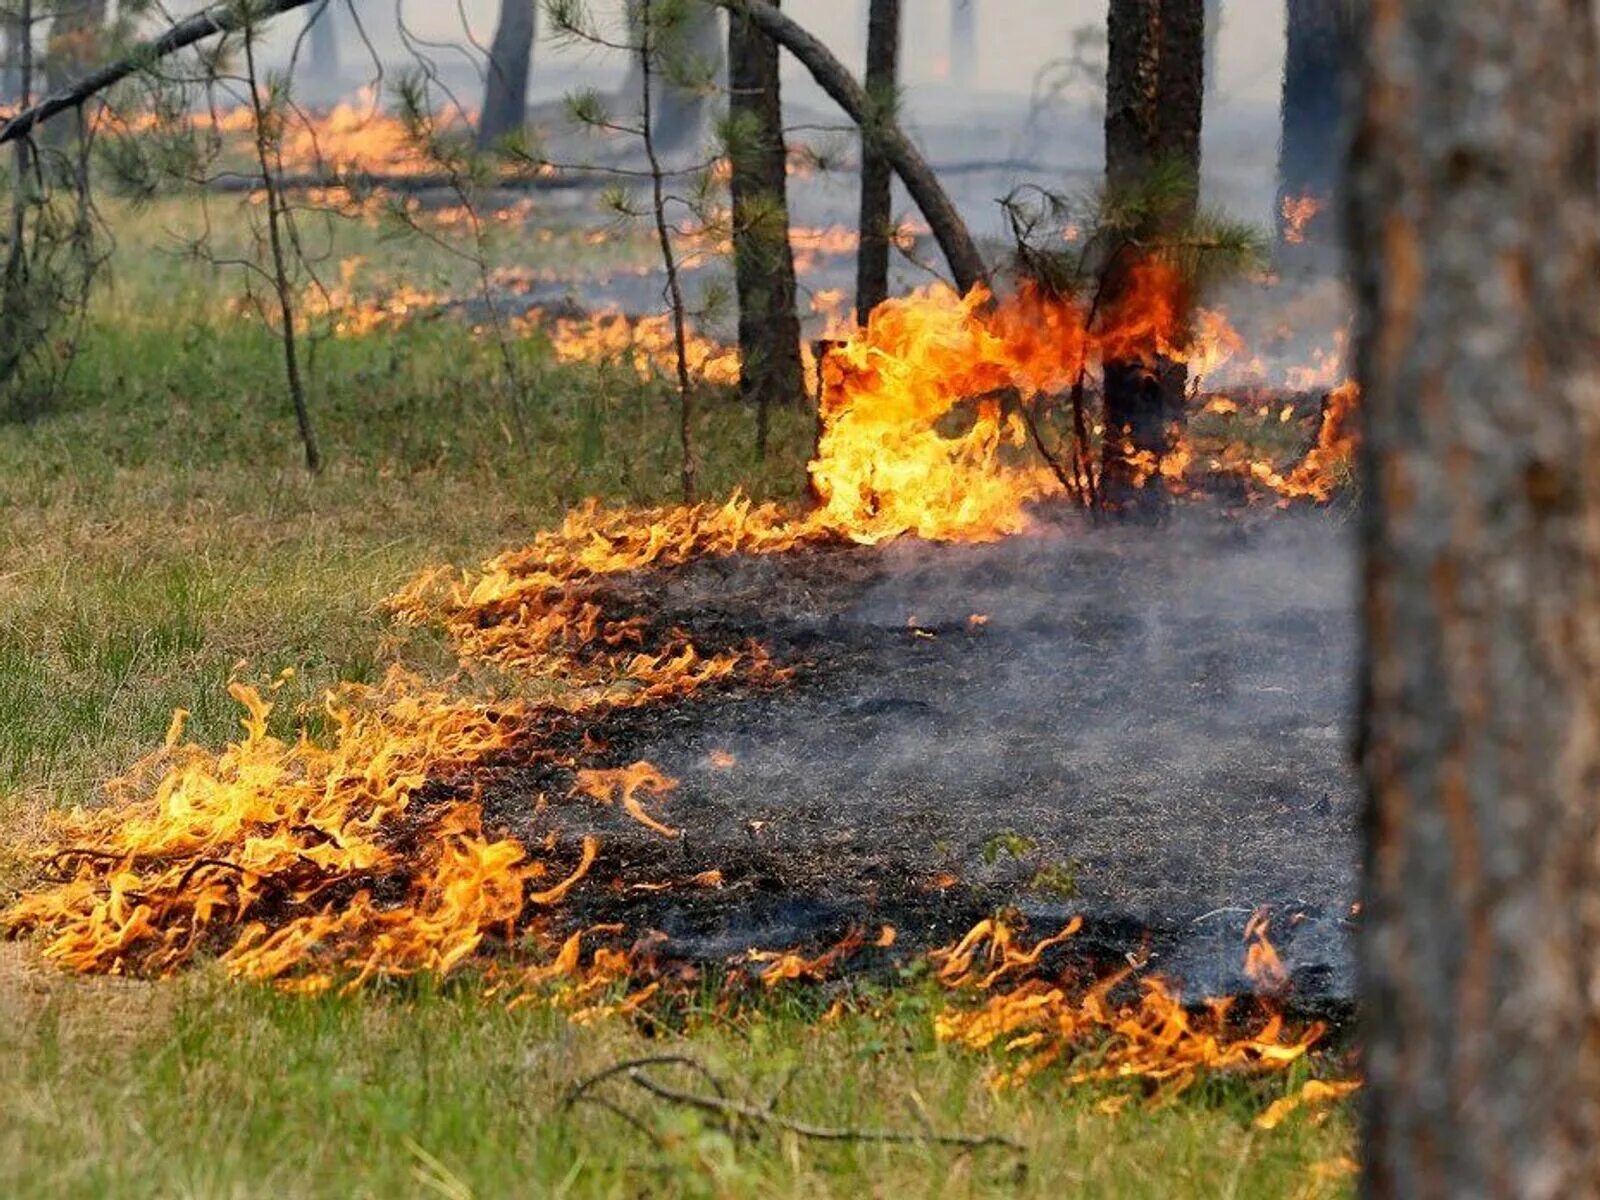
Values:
[(319, 863)]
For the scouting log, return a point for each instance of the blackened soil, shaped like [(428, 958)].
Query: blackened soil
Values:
[(1148, 727)]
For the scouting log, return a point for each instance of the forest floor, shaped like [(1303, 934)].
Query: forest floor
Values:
[(159, 536)]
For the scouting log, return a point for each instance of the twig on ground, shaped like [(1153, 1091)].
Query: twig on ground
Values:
[(636, 1071)]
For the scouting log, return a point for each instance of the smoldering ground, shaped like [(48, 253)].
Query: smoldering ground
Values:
[(1149, 728)]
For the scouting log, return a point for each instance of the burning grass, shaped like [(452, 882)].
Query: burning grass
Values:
[(331, 861)]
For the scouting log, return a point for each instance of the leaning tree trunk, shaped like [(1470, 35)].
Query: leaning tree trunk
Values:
[(1476, 254), (1155, 87), (872, 251), (505, 94), (1320, 43), (944, 220), (769, 327)]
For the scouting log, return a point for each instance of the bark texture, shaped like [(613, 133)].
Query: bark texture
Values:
[(872, 252), (1475, 219), (949, 230), (1320, 45), (1155, 93), (769, 326), (505, 89)]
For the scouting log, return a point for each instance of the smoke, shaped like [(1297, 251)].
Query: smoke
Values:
[(1146, 727)]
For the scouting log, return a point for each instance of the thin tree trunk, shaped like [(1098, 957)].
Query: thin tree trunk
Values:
[(688, 465), (1320, 43), (769, 327), (282, 284), (964, 43), (505, 96), (1476, 254), (1155, 90), (877, 177), (944, 219)]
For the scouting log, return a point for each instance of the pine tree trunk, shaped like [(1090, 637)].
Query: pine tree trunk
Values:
[(1476, 254), (877, 177), (769, 327), (505, 95), (1321, 41), (1155, 94)]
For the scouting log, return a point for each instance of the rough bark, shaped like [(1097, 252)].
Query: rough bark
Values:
[(225, 17), (1155, 91), (872, 252), (964, 43), (1476, 253), (1321, 40), (949, 230), (769, 326), (505, 93)]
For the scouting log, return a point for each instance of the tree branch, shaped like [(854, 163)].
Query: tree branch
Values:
[(226, 17), (944, 219)]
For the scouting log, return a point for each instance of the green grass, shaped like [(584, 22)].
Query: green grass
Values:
[(216, 1089), (158, 535)]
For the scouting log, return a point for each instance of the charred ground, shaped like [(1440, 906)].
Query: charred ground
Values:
[(1148, 728)]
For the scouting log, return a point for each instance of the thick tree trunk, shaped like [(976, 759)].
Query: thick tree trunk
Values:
[(1155, 90), (877, 177), (1476, 254), (964, 43), (769, 327), (322, 34), (1321, 41), (505, 93), (944, 219)]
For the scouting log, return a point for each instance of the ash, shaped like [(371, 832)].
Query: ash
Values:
[(1149, 728)]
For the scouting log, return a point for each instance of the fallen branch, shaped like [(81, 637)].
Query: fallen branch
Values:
[(227, 17), (944, 219), (636, 1072)]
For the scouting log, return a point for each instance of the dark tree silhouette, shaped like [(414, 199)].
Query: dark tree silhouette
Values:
[(1155, 83), (877, 177), (769, 327), (1476, 257), (505, 92), (1320, 43)]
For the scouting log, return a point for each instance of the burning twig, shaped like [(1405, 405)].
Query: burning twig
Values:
[(737, 1114)]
